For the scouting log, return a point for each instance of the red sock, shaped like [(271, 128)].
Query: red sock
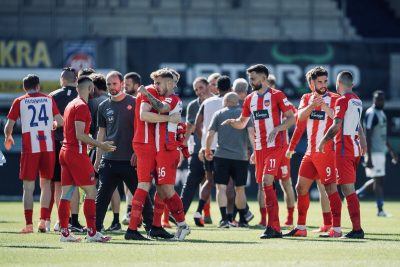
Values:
[(175, 205), (271, 203), (327, 218), (138, 200), (28, 217), (44, 213), (64, 208), (263, 212), (51, 203), (158, 210), (353, 205), (166, 215), (89, 209), (303, 203), (336, 208), (289, 219), (207, 207)]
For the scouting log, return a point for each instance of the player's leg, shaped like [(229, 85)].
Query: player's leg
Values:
[(288, 193), (27, 199), (75, 224), (326, 209), (353, 206), (261, 203), (230, 194), (46, 171), (378, 190), (115, 207), (222, 177), (240, 178), (128, 196)]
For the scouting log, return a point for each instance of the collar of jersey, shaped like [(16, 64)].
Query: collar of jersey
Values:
[(266, 91)]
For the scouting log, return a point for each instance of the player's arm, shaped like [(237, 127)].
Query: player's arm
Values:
[(81, 136), (330, 112), (58, 121), (238, 123), (332, 131), (363, 142), (209, 141), (101, 134), (305, 112), (148, 116), (289, 121), (294, 141), (393, 154), (8, 130), (250, 133), (158, 105), (198, 122), (189, 131)]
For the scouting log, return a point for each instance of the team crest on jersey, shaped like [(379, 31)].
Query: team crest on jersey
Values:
[(129, 107), (168, 100), (286, 102), (267, 103)]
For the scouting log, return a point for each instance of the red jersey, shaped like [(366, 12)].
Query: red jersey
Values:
[(348, 108), (144, 131), (318, 122), (266, 112), (76, 110), (166, 131), (36, 111), (286, 132)]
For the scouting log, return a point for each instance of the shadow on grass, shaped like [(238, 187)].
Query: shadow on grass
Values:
[(8, 221), (29, 247), (328, 240), (218, 242), (11, 232), (383, 234), (383, 239)]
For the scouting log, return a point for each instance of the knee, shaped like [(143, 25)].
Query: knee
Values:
[(301, 190)]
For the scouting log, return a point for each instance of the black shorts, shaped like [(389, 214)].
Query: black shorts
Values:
[(57, 166), (226, 168), (208, 165)]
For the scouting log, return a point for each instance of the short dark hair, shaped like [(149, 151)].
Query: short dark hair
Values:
[(115, 73), (86, 72), (201, 79), (378, 92), (83, 79), (346, 77), (224, 83), (318, 72), (99, 81), (30, 82), (69, 74), (258, 68), (134, 76)]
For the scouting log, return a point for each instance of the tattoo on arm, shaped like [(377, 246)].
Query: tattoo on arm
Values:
[(333, 129), (154, 102)]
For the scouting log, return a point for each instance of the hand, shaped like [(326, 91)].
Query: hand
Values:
[(395, 158), (201, 155), (174, 118), (317, 100), (363, 146), (369, 164), (9, 142), (209, 154), (252, 158), (96, 166), (133, 160), (320, 147), (107, 146), (228, 122), (55, 125), (272, 135), (289, 153)]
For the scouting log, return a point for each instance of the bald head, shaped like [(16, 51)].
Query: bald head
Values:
[(345, 78), (231, 99), (84, 83)]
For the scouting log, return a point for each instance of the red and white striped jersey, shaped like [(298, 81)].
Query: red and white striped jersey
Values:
[(76, 110), (166, 131), (266, 112), (36, 111), (348, 108), (318, 122), (144, 131)]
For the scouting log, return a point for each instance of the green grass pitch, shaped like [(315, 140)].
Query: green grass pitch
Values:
[(208, 246)]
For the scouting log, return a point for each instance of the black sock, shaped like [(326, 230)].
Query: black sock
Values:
[(235, 211), (74, 219), (247, 208), (200, 207), (230, 217), (116, 218), (223, 213), (128, 209), (242, 213)]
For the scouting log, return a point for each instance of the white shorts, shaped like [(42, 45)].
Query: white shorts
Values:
[(379, 161)]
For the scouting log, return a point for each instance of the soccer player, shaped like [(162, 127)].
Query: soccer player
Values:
[(167, 153), (316, 114), (375, 125), (231, 157), (350, 145), (144, 146), (76, 167), (266, 105), (39, 117)]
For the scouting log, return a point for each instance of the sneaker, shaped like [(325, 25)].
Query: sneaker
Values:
[(159, 232), (331, 233), (234, 223), (359, 234), (271, 233), (207, 220), (28, 229), (181, 232), (249, 216), (57, 227), (166, 225), (78, 228), (223, 224), (115, 227), (69, 238), (323, 229), (42, 226), (198, 220), (134, 235), (243, 225), (296, 233), (47, 224), (383, 214), (98, 237), (126, 219)]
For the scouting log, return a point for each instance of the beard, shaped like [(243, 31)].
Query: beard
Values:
[(321, 91), (256, 87)]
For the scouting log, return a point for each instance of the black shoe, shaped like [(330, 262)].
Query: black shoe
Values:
[(159, 232), (359, 234), (296, 232), (223, 224), (207, 220), (198, 220), (115, 227), (243, 225), (78, 228), (134, 235), (270, 233)]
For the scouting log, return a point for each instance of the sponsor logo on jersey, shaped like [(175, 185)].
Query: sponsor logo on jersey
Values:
[(317, 115), (261, 114)]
